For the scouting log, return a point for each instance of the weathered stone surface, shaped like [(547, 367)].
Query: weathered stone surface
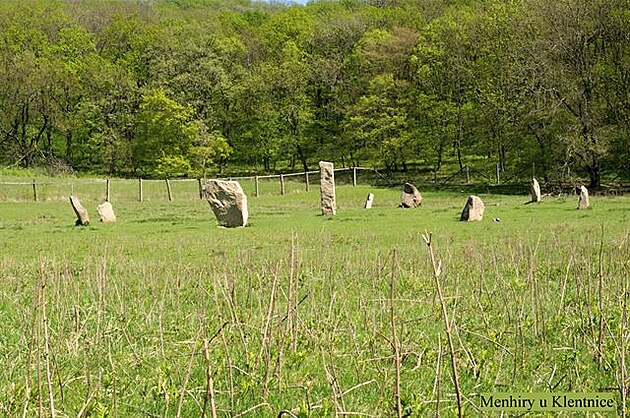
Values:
[(534, 189), (369, 201), (410, 197), (83, 218), (473, 211), (327, 188), (583, 202), (106, 212), (228, 202)]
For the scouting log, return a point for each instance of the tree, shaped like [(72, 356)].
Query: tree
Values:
[(576, 50)]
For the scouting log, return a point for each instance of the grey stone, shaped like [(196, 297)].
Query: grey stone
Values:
[(410, 197), (83, 218), (369, 201), (327, 188), (534, 189), (106, 212), (228, 202), (473, 211), (583, 202)]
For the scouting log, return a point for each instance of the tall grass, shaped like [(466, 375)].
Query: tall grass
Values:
[(165, 314)]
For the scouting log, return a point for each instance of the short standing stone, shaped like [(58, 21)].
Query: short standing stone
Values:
[(327, 188), (410, 197), (583, 203), (369, 201), (83, 218), (534, 189), (228, 202), (106, 212), (473, 211)]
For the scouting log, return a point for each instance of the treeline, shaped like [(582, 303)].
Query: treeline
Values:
[(180, 87)]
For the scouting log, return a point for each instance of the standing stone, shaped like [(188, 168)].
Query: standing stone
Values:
[(369, 201), (327, 188), (534, 189), (228, 202), (410, 197), (583, 202), (106, 212), (473, 211), (83, 219)]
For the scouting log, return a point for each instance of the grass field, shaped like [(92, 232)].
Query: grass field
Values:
[(165, 314)]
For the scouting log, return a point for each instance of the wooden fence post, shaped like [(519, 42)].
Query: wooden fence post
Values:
[(34, 191), (140, 190), (256, 190), (200, 188), (282, 184), (354, 176), (168, 190), (107, 190), (306, 180)]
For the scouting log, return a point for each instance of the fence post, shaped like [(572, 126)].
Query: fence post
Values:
[(168, 190), (306, 180), (200, 188), (282, 184), (467, 175), (34, 191), (354, 176), (256, 190), (139, 190), (107, 190), (498, 177)]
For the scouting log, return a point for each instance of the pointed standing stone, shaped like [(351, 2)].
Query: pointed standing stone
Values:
[(369, 201), (83, 219), (106, 212), (327, 188), (583, 203), (228, 202), (473, 211), (410, 197), (534, 189)]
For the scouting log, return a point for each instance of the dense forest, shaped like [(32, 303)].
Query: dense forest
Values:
[(187, 87)]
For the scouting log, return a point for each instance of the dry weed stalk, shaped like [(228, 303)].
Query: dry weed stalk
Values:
[(394, 342), (437, 270), (600, 298), (51, 399), (209, 381)]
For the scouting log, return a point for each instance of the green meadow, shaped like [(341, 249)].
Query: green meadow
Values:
[(165, 314)]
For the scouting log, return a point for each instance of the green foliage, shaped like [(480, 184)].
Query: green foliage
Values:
[(512, 83)]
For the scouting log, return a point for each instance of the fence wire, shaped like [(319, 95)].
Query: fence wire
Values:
[(142, 190)]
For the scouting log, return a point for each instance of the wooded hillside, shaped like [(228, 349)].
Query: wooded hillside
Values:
[(185, 87)]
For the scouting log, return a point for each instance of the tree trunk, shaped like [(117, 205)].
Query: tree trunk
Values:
[(69, 146), (301, 155), (595, 175)]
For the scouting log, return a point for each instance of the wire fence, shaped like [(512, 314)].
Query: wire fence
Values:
[(143, 190)]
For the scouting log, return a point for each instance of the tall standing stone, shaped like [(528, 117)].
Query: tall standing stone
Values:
[(410, 197), (583, 202), (473, 211), (83, 219), (228, 202), (369, 201), (327, 188), (106, 212), (534, 189)]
